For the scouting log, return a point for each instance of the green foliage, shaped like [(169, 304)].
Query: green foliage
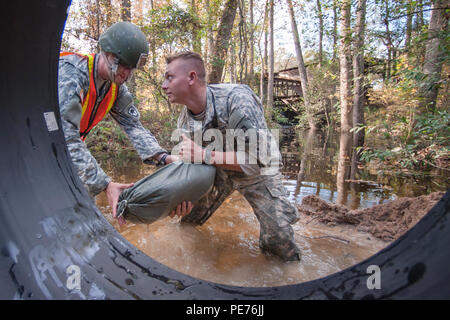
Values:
[(324, 104), (170, 26), (161, 122), (107, 140), (426, 146)]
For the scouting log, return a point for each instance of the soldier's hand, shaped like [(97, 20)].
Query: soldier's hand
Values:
[(190, 151), (113, 191), (182, 209), (171, 158)]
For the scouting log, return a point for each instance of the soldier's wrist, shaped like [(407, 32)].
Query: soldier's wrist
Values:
[(162, 160), (207, 156), (108, 180)]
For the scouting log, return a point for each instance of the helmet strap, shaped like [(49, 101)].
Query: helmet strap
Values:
[(112, 66)]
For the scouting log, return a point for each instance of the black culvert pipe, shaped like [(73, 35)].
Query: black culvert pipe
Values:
[(50, 230)]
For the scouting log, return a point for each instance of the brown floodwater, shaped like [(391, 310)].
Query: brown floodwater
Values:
[(225, 249)]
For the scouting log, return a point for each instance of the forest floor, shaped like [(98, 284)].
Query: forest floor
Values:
[(386, 221)]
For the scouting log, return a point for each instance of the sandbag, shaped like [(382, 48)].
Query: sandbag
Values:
[(156, 195)]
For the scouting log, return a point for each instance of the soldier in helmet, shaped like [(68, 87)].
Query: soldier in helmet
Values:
[(216, 110), (91, 86)]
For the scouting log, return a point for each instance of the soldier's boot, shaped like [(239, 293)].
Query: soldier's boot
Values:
[(280, 244)]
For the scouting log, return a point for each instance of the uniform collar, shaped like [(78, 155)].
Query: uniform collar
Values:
[(208, 112)]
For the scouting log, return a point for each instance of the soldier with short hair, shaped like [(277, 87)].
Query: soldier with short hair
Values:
[(225, 107), (93, 85)]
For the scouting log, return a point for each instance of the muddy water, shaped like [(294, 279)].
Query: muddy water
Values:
[(225, 249)]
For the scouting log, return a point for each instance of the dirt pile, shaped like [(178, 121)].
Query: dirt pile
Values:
[(386, 221)]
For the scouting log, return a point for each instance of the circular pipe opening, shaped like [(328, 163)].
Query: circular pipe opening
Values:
[(55, 244)]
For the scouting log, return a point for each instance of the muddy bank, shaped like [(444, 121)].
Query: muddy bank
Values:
[(386, 221)]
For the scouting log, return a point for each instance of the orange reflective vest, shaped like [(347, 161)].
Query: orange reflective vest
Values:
[(91, 113)]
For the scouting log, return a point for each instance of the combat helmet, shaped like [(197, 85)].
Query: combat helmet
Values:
[(127, 42)]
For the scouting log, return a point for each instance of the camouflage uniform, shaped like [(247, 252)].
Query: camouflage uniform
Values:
[(265, 193), (73, 84)]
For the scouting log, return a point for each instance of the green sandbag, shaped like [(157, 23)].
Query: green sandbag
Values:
[(158, 194)]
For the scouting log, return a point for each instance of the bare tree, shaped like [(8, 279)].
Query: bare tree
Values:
[(358, 73), (125, 15), (210, 38), (388, 40), (434, 54), (301, 65), (345, 88), (271, 70), (196, 40), (108, 11), (320, 14), (252, 46), (243, 42), (335, 35), (264, 56), (125, 10), (409, 9), (221, 44)]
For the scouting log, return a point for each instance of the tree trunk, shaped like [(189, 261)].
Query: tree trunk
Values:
[(345, 68), (271, 71), (358, 74), (232, 64), (343, 167), (319, 11), (308, 148), (409, 10), (251, 79), (263, 87), (221, 44), (196, 40), (243, 59), (434, 56), (418, 27), (125, 10), (125, 15), (388, 38), (420, 21), (210, 37), (301, 66), (335, 35), (108, 12)]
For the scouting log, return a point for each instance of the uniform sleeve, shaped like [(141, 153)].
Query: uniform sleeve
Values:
[(71, 87), (261, 148), (127, 116)]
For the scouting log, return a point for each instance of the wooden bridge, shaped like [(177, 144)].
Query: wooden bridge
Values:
[(287, 91)]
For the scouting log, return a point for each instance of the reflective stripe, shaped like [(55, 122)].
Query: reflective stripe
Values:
[(89, 115), (91, 80), (113, 94)]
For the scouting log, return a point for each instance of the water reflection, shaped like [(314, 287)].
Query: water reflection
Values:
[(225, 249), (321, 163)]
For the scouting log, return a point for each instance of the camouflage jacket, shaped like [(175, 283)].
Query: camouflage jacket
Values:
[(236, 106), (73, 83)]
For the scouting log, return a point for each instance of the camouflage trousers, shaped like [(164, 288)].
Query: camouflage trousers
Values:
[(268, 198)]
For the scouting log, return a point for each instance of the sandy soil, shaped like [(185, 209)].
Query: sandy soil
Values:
[(385, 221)]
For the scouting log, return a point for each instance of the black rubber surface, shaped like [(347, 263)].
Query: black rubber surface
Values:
[(48, 223)]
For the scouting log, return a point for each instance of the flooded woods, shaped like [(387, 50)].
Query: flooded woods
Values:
[(225, 249)]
